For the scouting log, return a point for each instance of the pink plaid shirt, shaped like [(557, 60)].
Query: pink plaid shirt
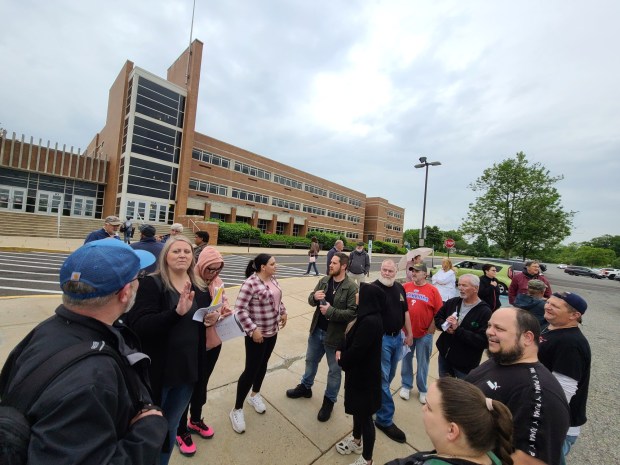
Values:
[(255, 307)]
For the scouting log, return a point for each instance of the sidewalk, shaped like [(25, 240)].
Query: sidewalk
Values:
[(288, 433)]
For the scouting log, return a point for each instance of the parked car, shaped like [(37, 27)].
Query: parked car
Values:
[(517, 265), (504, 271), (617, 277), (561, 266), (609, 273), (597, 273), (578, 270)]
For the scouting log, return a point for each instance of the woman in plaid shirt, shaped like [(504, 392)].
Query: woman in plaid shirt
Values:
[(261, 312)]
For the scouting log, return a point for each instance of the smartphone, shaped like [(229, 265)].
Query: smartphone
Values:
[(323, 302)]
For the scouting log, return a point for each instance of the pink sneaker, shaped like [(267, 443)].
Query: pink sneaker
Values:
[(200, 428), (186, 445)]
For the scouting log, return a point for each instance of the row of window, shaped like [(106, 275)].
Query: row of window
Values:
[(208, 187), (314, 210), (218, 160), (249, 196), (285, 204), (354, 219), (336, 215), (392, 240), (394, 214), (393, 227), (210, 158)]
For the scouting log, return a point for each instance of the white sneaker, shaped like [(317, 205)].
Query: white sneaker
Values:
[(348, 445), (404, 393), (257, 403), (422, 397), (238, 420), (362, 461)]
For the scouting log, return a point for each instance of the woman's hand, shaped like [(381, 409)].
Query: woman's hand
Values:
[(338, 354), (186, 298), (225, 311), (257, 336), (211, 318), (283, 319)]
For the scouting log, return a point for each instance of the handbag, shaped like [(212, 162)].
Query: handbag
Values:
[(312, 259)]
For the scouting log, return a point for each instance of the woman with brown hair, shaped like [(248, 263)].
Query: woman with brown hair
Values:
[(313, 254), (465, 427)]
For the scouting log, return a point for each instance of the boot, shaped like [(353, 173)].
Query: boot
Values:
[(326, 410)]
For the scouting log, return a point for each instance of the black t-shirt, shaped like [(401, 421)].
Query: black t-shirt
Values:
[(537, 403), (329, 297), (393, 312), (567, 351)]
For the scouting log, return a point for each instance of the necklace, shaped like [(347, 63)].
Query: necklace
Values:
[(335, 286)]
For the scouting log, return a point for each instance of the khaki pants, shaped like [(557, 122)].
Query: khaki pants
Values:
[(358, 278)]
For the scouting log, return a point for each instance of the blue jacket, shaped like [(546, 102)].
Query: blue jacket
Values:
[(99, 234), (150, 245)]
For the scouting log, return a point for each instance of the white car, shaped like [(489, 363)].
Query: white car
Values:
[(561, 266)]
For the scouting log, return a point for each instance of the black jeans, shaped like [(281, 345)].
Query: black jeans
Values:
[(364, 428), (256, 359), (199, 394), (312, 265)]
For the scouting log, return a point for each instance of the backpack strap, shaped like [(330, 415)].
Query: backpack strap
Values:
[(24, 394)]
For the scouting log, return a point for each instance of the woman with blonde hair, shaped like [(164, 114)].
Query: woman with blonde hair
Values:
[(465, 427), (163, 318), (445, 280)]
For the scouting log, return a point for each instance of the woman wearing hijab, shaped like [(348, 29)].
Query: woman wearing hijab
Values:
[(210, 264), (360, 358)]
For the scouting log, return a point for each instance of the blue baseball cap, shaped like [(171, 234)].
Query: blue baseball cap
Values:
[(107, 265)]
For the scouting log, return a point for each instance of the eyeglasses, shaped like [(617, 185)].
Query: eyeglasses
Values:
[(214, 270), (141, 274)]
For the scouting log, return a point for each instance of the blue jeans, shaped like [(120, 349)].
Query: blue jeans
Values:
[(422, 346), (391, 348), (173, 403), (314, 354), (446, 369), (312, 265), (569, 441)]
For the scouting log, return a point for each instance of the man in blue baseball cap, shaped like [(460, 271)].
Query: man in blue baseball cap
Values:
[(565, 351), (94, 411)]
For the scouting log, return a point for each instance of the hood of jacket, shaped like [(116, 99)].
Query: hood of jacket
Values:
[(371, 300)]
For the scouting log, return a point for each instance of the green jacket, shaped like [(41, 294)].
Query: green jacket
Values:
[(340, 313)]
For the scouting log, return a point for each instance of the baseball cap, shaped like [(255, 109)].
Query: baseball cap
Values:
[(574, 300), (107, 265), (147, 230), (113, 220), (419, 267), (536, 285)]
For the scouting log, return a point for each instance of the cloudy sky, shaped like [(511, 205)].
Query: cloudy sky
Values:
[(355, 91)]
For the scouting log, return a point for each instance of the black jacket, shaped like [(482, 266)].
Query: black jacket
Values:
[(83, 415), (361, 355), (464, 348), (489, 293)]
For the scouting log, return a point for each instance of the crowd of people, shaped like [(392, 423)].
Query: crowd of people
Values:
[(147, 301)]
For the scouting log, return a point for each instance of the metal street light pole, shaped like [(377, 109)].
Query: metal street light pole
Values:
[(425, 164)]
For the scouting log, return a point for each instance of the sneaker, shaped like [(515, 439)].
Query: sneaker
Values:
[(186, 445), (299, 391), (348, 445), (238, 420), (362, 461), (200, 428), (404, 393), (422, 397), (256, 401), (393, 432)]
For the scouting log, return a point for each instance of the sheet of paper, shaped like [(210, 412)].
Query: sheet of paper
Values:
[(201, 312), (229, 328)]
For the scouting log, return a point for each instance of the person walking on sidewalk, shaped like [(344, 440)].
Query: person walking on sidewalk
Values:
[(261, 313), (360, 358), (334, 299), (395, 316), (313, 254), (359, 264), (423, 301), (338, 247)]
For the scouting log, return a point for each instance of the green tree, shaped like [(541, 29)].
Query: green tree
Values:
[(518, 208), (606, 242), (594, 256)]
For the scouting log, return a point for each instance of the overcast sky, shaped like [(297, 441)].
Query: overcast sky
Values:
[(355, 91)]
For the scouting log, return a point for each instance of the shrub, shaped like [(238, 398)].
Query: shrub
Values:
[(231, 233)]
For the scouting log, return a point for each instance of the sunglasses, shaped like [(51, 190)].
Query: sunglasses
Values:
[(214, 270)]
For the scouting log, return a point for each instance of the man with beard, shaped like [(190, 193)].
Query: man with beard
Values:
[(519, 282), (463, 321), (395, 315), (334, 299), (95, 411), (513, 375)]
